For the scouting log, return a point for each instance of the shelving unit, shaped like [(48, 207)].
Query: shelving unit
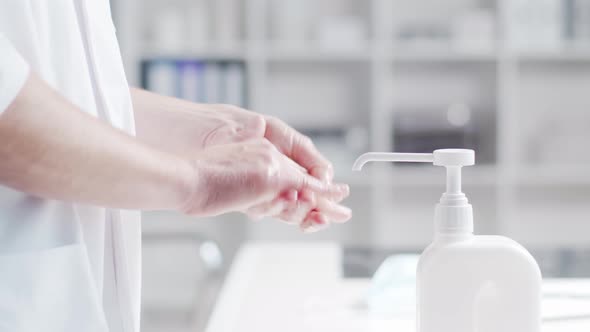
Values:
[(361, 88)]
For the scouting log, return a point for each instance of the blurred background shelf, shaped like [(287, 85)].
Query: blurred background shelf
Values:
[(442, 55), (560, 175), (287, 54), (508, 78), (565, 54), (153, 52)]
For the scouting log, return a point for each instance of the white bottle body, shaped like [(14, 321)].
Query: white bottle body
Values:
[(468, 283)]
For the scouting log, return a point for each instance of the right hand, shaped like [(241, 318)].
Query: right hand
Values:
[(242, 176)]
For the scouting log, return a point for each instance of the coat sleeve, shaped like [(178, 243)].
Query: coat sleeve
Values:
[(14, 72)]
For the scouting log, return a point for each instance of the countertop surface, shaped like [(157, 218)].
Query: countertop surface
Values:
[(299, 287)]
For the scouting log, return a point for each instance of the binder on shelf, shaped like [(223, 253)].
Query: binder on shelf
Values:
[(213, 82), (197, 81), (234, 85), (161, 77), (191, 82)]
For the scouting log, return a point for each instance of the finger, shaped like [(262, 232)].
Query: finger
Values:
[(314, 222), (299, 148), (253, 126), (345, 189), (274, 207), (267, 209), (324, 173), (303, 181), (296, 212), (333, 211), (343, 194), (338, 198), (329, 190)]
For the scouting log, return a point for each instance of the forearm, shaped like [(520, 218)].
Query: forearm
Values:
[(160, 119), (51, 149)]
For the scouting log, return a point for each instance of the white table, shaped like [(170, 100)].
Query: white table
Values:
[(298, 287)]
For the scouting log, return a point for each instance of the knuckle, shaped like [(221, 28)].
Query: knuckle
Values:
[(258, 125), (264, 176), (266, 158), (267, 147)]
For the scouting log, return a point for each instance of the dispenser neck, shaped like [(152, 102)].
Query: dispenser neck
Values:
[(453, 216), (453, 179)]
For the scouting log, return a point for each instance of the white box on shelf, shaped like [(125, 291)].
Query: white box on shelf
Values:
[(473, 30), (341, 33), (290, 23), (235, 85), (191, 81), (534, 25), (169, 31), (198, 22), (212, 80), (162, 77), (227, 22)]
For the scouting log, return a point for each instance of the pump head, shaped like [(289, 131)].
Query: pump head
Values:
[(453, 213), (452, 159)]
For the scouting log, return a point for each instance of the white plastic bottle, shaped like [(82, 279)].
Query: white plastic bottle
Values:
[(469, 283)]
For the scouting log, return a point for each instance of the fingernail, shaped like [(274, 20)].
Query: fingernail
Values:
[(345, 189), (306, 226), (342, 212), (341, 190), (315, 228), (310, 229)]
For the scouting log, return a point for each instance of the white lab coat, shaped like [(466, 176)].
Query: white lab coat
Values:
[(63, 266)]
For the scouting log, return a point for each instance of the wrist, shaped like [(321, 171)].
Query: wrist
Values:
[(193, 188), (186, 183)]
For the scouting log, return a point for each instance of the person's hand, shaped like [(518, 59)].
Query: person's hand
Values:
[(185, 128), (242, 176), (231, 124), (182, 127), (222, 124), (317, 213)]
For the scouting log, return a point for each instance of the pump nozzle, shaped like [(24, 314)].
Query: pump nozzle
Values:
[(392, 157), (453, 211), (442, 157), (452, 159)]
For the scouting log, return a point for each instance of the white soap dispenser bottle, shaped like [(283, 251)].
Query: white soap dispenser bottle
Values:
[(469, 283)]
